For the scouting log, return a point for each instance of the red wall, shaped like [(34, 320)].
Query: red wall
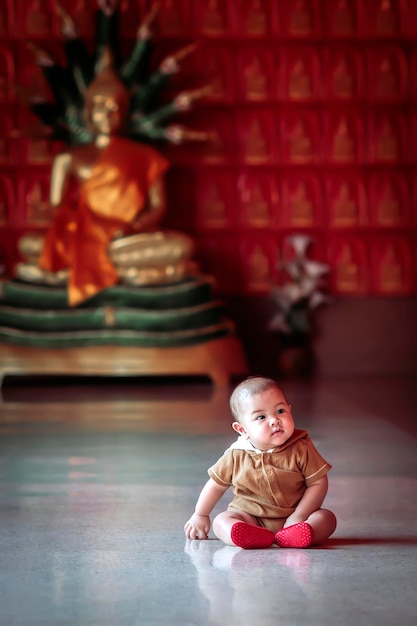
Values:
[(314, 114)]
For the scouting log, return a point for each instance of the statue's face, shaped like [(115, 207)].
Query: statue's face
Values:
[(106, 115)]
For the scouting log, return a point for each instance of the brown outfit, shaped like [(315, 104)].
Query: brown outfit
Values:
[(269, 485)]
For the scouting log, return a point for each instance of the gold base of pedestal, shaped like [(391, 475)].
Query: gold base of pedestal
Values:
[(218, 359)]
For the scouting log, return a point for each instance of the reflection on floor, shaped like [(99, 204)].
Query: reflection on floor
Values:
[(98, 477)]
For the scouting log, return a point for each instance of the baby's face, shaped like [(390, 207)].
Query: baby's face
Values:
[(265, 419)]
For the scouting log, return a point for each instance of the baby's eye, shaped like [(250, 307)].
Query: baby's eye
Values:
[(281, 411), (260, 417)]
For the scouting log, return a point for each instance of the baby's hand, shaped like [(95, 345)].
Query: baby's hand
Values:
[(197, 527)]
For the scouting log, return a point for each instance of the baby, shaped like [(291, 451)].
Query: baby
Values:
[(279, 479)]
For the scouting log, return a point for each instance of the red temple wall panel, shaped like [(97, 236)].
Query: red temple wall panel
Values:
[(313, 119)]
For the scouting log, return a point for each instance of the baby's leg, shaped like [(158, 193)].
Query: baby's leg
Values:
[(236, 528), (316, 529), (323, 523)]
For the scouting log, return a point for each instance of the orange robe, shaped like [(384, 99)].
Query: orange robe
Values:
[(109, 200)]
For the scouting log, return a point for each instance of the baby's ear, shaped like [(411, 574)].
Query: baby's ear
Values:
[(239, 428)]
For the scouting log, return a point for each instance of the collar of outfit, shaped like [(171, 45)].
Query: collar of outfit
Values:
[(242, 443)]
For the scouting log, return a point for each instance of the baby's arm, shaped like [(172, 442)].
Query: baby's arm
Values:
[(311, 501), (198, 525)]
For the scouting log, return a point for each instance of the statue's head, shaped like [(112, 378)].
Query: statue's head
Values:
[(107, 99)]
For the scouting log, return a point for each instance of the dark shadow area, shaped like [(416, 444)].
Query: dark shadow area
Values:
[(98, 388)]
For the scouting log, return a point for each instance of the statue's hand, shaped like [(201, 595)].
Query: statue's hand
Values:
[(170, 65), (108, 6), (144, 31), (177, 134)]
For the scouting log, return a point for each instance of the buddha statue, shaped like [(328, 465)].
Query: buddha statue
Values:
[(39, 209), (301, 207), (213, 18), (388, 209), (214, 206), (347, 271), (301, 149), (387, 144), (255, 80), (387, 19), (256, 148), (391, 272), (258, 209), (343, 18), (37, 18), (259, 276), (345, 207), (343, 81), (300, 84), (256, 18), (171, 21), (109, 232), (343, 146), (300, 19), (388, 84)]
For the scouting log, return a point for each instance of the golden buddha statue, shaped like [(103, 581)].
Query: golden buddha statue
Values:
[(388, 85), (387, 20), (391, 272), (343, 81), (171, 19), (301, 149), (259, 273), (300, 19), (255, 80), (300, 85), (109, 234), (256, 149), (258, 209), (37, 18), (387, 145), (343, 147), (301, 207), (214, 18), (256, 18), (345, 208), (388, 209), (214, 207), (39, 151), (347, 271), (39, 209), (344, 18)]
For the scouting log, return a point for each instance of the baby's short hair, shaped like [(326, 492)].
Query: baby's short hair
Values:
[(247, 388)]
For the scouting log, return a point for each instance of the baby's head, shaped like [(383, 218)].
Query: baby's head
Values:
[(249, 387), (261, 412)]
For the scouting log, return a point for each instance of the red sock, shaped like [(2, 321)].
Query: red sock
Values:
[(249, 536), (296, 536)]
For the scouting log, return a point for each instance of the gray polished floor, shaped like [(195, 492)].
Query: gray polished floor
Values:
[(96, 481)]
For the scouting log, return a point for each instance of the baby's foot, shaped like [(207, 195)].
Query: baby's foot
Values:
[(296, 536), (249, 536)]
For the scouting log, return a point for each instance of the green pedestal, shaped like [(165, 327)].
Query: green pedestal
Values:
[(164, 324)]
